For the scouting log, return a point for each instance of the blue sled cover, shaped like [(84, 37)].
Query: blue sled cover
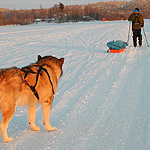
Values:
[(118, 44)]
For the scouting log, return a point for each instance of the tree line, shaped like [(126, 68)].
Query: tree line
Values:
[(113, 10)]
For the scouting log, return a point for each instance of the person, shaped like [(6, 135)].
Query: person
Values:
[(137, 23)]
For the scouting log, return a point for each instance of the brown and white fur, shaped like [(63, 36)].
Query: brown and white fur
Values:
[(14, 91)]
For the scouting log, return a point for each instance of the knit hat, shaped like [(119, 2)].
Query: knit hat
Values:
[(136, 10)]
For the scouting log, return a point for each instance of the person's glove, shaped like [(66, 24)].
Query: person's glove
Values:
[(141, 24)]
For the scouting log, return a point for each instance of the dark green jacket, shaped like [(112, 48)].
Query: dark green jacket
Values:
[(136, 19)]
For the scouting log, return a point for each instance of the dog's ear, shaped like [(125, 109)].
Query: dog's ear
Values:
[(61, 61), (39, 57)]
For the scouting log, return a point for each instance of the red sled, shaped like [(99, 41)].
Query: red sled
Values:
[(116, 50), (117, 46)]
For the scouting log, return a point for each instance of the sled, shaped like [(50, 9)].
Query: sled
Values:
[(117, 51), (117, 46)]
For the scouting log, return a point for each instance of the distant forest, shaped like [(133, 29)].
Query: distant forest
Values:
[(113, 10)]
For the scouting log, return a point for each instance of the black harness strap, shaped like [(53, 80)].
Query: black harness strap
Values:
[(49, 79), (32, 89), (136, 17), (29, 70)]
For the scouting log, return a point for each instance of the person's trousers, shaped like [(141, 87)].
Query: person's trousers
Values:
[(137, 33)]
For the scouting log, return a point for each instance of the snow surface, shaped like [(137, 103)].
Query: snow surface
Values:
[(103, 99)]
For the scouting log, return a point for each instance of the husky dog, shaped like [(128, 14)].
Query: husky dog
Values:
[(28, 86)]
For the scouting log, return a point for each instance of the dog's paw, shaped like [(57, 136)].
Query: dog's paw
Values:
[(35, 128), (51, 129), (10, 139)]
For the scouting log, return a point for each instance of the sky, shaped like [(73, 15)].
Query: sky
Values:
[(31, 4)]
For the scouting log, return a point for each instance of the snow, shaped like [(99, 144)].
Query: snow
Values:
[(103, 99)]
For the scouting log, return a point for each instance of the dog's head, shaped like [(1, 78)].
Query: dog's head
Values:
[(55, 63), (60, 61)]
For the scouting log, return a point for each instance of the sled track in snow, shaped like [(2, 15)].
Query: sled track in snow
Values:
[(102, 101)]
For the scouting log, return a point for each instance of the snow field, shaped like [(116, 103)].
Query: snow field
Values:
[(102, 101)]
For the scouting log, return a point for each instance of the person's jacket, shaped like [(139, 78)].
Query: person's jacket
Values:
[(137, 21)]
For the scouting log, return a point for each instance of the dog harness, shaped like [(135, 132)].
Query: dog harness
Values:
[(28, 70)]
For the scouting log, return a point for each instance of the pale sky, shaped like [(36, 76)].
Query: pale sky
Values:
[(29, 4)]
